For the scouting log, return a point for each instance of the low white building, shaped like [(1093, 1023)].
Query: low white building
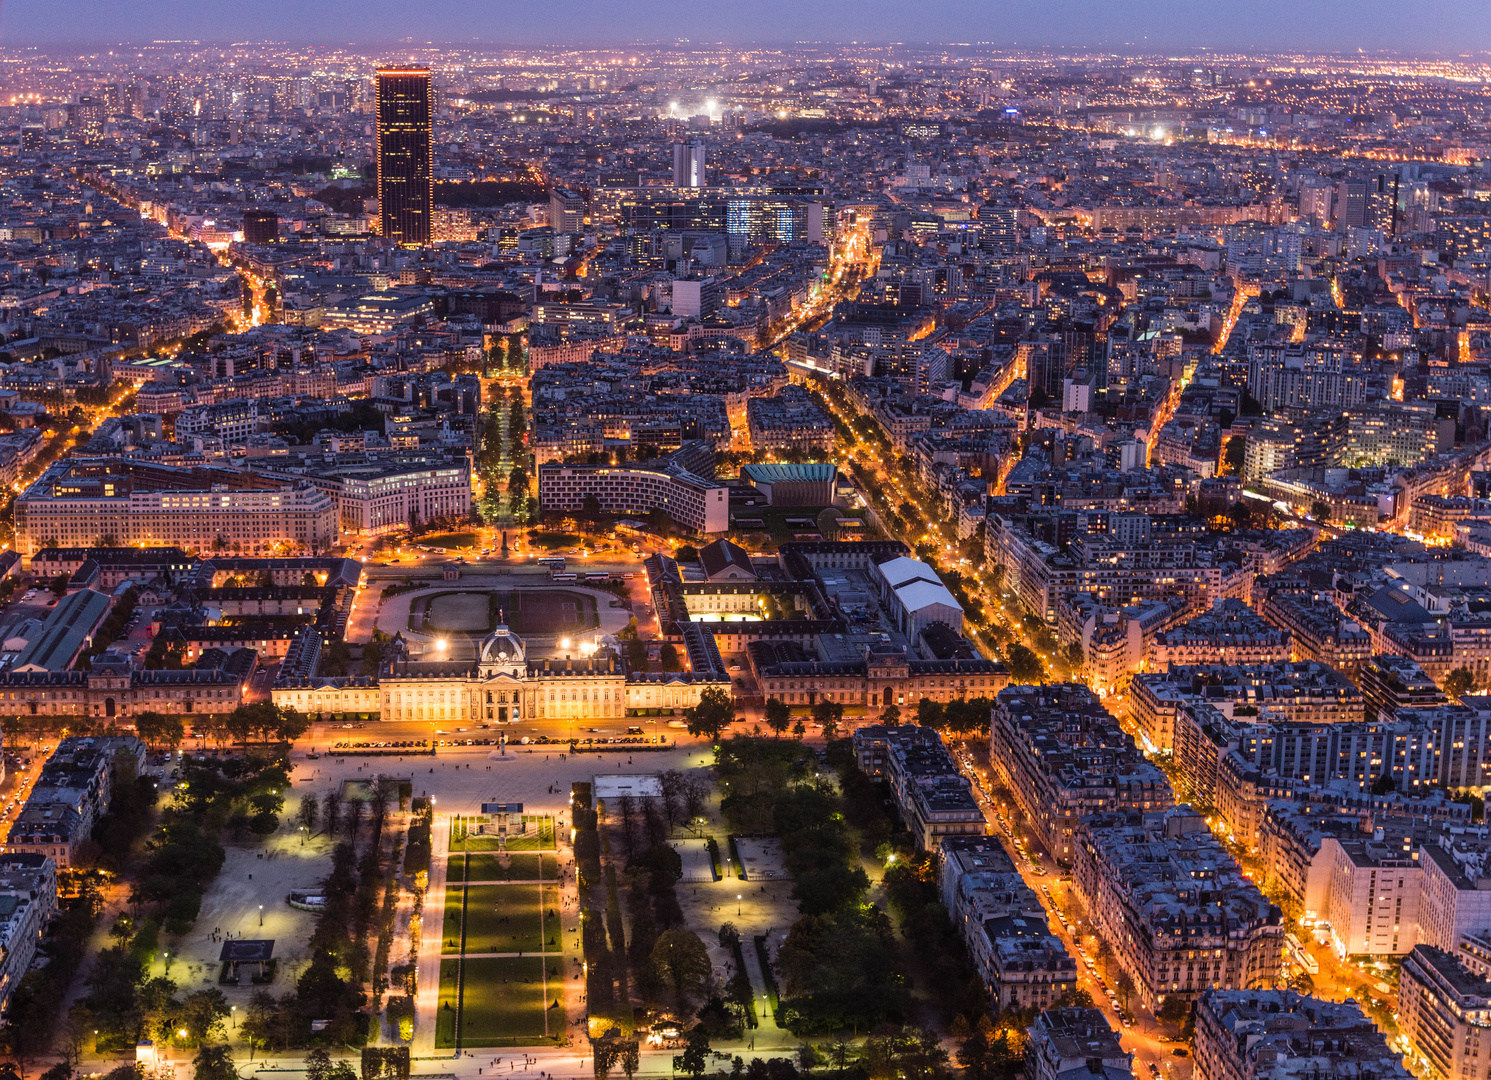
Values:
[(916, 596)]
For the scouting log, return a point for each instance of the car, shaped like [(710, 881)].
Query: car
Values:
[(1154, 1070), (1181, 1051)]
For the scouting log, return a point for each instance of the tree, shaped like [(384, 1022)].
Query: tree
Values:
[(778, 715), (160, 729), (203, 1013), (1025, 666), (1458, 683), (680, 962), (74, 1034), (695, 1057), (215, 1063), (308, 812), (332, 812), (1174, 1009), (712, 715), (1236, 455), (260, 1020), (1073, 999), (630, 1059), (929, 713), (59, 584), (1320, 510), (828, 715), (891, 717), (668, 655), (729, 935)]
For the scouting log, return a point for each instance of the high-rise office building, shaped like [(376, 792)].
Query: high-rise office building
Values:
[(260, 226), (566, 211), (688, 163), (406, 154)]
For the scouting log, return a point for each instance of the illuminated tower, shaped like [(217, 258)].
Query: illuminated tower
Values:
[(406, 154)]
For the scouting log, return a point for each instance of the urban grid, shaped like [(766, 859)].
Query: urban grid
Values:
[(477, 520)]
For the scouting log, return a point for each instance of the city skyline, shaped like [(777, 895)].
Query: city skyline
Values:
[(1454, 27), (1007, 529)]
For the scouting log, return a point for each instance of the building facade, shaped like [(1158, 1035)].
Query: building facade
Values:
[(406, 154)]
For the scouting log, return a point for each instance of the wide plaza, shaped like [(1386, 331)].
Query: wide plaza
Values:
[(448, 619)]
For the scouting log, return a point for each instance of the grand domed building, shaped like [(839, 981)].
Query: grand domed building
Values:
[(504, 685)]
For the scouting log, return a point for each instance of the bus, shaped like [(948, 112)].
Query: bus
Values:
[(553, 563), (1300, 956), (563, 579)]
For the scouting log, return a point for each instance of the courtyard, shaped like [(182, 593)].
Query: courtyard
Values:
[(545, 616)]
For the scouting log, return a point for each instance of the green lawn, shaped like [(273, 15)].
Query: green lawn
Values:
[(506, 918), (551, 541), (449, 540), (445, 1017), (450, 932), (481, 867), (505, 1002), (539, 837)]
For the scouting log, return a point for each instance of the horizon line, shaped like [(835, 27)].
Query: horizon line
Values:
[(1125, 50)]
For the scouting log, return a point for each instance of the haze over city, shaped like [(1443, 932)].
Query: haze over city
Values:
[(1452, 26)]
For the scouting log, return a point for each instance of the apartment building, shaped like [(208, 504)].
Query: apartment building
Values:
[(76, 502), (71, 792), (935, 799), (377, 497), (695, 503), (1230, 632), (1296, 690), (1076, 1044), (28, 900), (1373, 909), (1001, 920), (1174, 905), (1455, 888), (1063, 757), (1283, 1035), (1445, 1011)]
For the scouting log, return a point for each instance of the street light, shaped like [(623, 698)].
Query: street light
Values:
[(261, 914), (737, 905)]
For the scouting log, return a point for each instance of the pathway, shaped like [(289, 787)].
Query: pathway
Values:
[(427, 991)]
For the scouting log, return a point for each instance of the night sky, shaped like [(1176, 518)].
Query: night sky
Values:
[(1449, 26)]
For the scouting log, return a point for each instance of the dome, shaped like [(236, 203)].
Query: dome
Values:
[(502, 646)]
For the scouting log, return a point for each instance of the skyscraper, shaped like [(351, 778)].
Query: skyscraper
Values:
[(688, 164), (406, 154)]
